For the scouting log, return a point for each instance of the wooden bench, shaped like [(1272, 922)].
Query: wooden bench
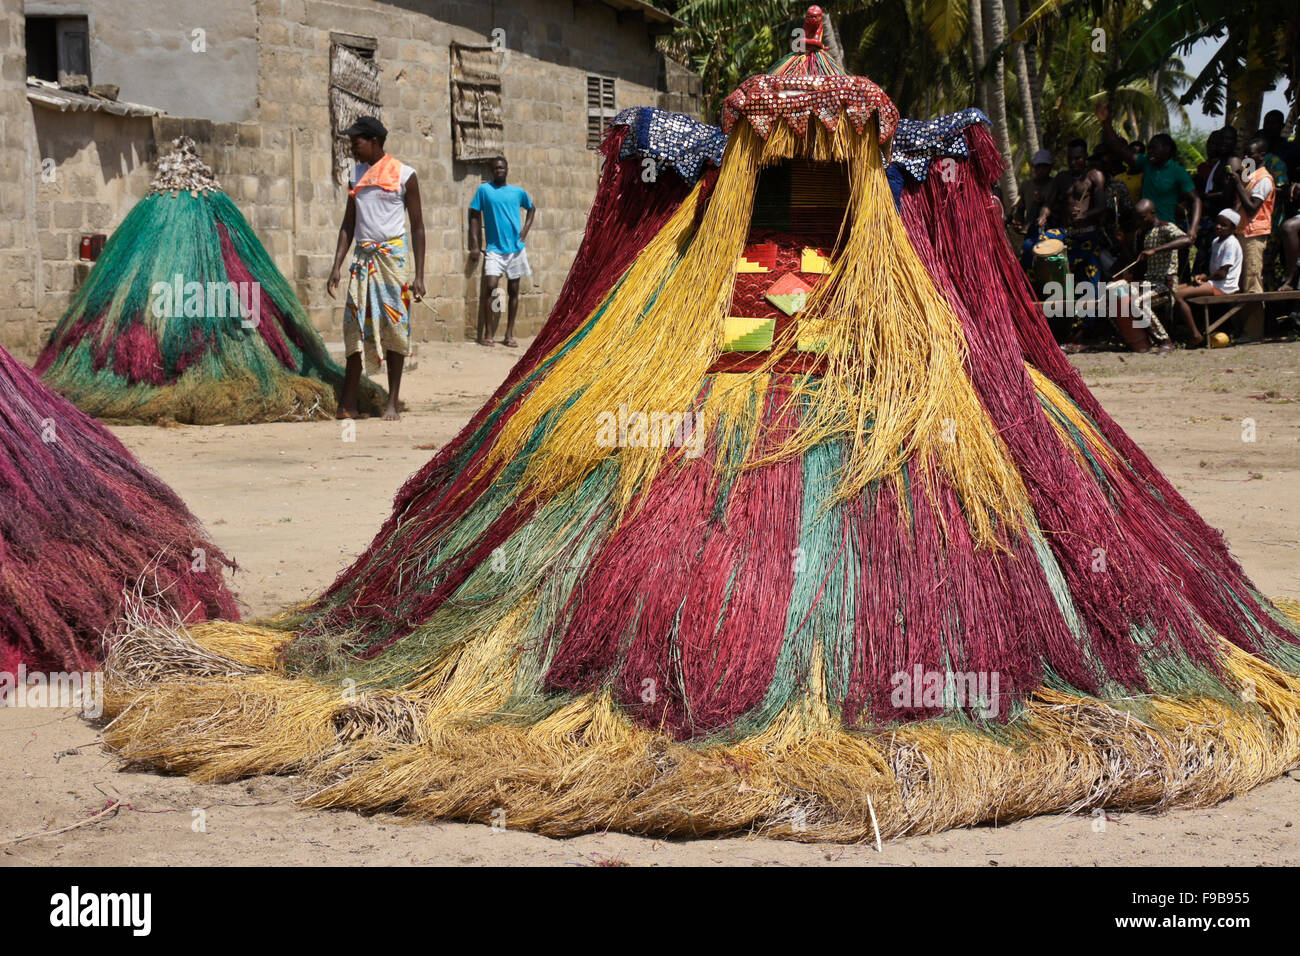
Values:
[(1236, 300)]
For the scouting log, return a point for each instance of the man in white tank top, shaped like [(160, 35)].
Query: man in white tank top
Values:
[(377, 318)]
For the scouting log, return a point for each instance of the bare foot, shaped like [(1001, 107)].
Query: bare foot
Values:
[(1196, 343), (345, 413), (510, 344), (390, 414), (487, 342)]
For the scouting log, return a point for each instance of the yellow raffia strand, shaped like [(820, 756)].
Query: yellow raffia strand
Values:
[(428, 752), (734, 401), (895, 389), (648, 355), (895, 386), (1061, 402)]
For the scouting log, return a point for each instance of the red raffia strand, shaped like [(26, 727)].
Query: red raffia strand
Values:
[(270, 323), (693, 605), (80, 520), (1162, 560), (928, 597), (626, 213)]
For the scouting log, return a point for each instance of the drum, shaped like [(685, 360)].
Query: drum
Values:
[(1050, 265)]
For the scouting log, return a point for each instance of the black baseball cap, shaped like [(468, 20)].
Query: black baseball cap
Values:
[(367, 126)]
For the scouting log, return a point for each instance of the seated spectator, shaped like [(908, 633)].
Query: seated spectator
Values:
[(1160, 244), (1224, 278), (1290, 231)]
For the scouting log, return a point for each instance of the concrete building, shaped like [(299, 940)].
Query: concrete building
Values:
[(262, 86)]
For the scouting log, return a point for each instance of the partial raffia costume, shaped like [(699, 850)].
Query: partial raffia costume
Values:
[(912, 576), (83, 525), (186, 317), (377, 317)]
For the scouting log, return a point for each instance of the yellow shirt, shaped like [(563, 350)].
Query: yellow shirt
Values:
[(1133, 181)]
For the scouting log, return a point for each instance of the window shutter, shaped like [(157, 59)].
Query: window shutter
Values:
[(600, 107), (353, 92)]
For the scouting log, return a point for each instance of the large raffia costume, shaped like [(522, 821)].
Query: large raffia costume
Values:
[(591, 626), (185, 317)]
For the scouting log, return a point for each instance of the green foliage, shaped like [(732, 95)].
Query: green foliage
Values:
[(1191, 145), (1084, 51)]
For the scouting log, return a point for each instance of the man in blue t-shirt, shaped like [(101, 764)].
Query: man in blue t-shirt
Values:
[(495, 211)]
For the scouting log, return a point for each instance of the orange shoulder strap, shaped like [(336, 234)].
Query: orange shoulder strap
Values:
[(386, 174)]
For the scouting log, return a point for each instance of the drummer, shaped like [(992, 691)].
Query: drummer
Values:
[(1072, 213), (1033, 195)]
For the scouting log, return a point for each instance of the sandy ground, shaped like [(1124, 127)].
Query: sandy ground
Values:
[(295, 503)]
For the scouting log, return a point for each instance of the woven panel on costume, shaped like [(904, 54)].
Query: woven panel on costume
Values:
[(917, 143), (675, 140), (758, 258), (751, 290), (746, 334), (789, 293), (814, 335), (477, 127), (763, 100), (815, 260), (803, 196)]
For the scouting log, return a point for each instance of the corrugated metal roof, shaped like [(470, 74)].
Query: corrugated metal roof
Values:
[(51, 97)]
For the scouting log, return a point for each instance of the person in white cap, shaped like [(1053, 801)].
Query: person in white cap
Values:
[(1224, 277)]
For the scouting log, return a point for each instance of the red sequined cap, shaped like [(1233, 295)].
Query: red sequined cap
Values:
[(809, 83)]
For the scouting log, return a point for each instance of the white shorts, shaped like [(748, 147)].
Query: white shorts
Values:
[(512, 267)]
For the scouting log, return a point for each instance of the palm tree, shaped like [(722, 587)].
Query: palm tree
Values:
[(1024, 85), (995, 21)]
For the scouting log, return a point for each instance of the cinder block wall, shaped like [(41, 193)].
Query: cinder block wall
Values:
[(20, 258), (94, 167)]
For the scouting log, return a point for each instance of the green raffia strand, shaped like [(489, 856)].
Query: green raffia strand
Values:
[(827, 564), (1080, 442), (543, 367), (732, 439), (331, 655), (238, 378), (547, 559), (593, 522)]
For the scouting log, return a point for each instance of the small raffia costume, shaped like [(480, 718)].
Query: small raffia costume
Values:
[(377, 318)]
